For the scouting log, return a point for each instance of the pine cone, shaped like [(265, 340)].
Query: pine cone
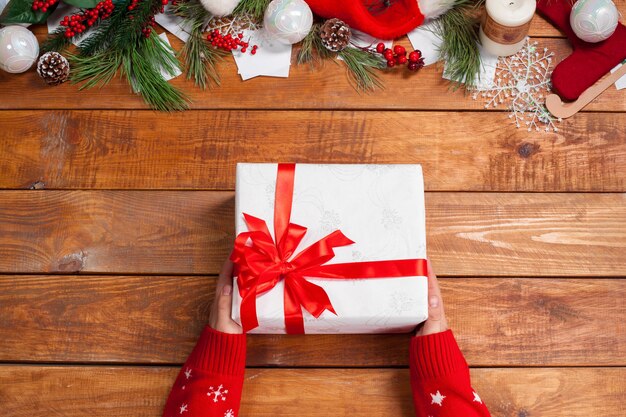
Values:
[(335, 35), (53, 68)]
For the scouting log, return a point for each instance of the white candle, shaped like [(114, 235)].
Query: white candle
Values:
[(505, 25)]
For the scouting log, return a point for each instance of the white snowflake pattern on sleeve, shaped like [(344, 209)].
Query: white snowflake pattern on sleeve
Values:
[(217, 393), (183, 408), (437, 399), (229, 413), (477, 398)]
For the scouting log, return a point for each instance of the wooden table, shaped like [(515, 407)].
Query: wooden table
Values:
[(115, 219)]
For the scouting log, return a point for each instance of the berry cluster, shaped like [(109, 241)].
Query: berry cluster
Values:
[(147, 29), (398, 56), (43, 5), (229, 42), (79, 22)]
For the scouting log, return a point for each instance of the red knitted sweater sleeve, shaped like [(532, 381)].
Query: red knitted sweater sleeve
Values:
[(211, 380), (440, 379)]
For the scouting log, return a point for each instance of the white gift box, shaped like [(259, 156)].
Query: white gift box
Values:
[(380, 208)]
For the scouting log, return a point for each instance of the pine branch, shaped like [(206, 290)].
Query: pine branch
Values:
[(255, 8), (458, 31), (56, 41), (311, 49), (199, 58), (361, 65), (140, 65), (100, 39)]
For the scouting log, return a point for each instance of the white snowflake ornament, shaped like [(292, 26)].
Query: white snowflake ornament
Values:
[(521, 84)]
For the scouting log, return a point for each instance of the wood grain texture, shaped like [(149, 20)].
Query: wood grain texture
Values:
[(157, 319), (191, 232), (199, 150), (41, 391), (324, 88)]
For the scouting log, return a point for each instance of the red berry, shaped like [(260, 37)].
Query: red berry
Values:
[(388, 54), (380, 48), (401, 59), (391, 63), (414, 56), (399, 49)]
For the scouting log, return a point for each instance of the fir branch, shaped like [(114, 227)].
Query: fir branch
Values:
[(459, 49), (311, 49), (95, 70), (140, 65), (361, 65), (56, 41), (191, 10), (255, 8), (100, 39), (199, 58), (128, 32)]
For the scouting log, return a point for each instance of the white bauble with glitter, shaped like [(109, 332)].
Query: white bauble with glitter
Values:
[(594, 20), (18, 49), (288, 21), (219, 7)]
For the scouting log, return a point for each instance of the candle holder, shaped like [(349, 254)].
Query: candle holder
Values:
[(505, 25)]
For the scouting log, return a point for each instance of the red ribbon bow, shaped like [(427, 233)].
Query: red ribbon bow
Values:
[(261, 265)]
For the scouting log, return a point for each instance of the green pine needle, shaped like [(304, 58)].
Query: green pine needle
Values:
[(141, 66), (459, 49), (312, 49), (199, 58), (361, 65), (254, 8)]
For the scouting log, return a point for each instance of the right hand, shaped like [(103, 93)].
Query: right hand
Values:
[(436, 321)]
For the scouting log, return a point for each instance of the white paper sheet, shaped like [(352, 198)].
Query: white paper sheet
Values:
[(424, 39), (173, 24), (272, 58)]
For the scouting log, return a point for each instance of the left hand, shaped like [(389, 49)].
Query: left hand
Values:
[(220, 317)]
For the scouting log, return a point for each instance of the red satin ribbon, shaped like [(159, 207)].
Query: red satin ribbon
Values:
[(261, 265)]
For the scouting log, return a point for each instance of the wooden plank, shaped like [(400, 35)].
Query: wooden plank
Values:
[(157, 319), (199, 150), (326, 88), (33, 391), (191, 232)]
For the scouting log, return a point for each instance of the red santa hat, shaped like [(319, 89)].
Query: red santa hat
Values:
[(383, 19)]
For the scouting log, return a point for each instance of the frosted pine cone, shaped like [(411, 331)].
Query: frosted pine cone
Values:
[(53, 68), (335, 35)]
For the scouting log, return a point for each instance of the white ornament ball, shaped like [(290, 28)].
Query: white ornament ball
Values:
[(18, 49), (219, 7), (594, 20), (288, 21), (3, 4)]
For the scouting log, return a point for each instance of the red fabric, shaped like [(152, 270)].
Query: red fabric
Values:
[(590, 61), (371, 16), (440, 378), (210, 382)]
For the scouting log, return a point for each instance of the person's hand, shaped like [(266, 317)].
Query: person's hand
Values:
[(436, 321), (220, 318)]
